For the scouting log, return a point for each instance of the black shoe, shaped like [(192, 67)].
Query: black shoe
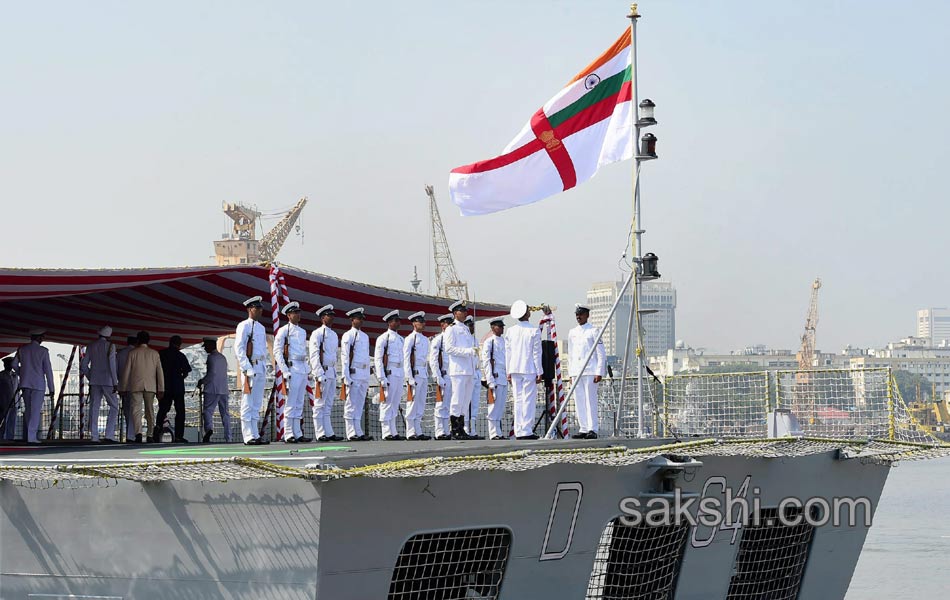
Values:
[(476, 437), (290, 440), (390, 438), (443, 437), (591, 435), (499, 438), (324, 438), (423, 437), (337, 438), (107, 441), (207, 436), (148, 440), (262, 442), (138, 439), (181, 441), (533, 436), (412, 438), (355, 438), (253, 442), (580, 435), (303, 440), (367, 438)]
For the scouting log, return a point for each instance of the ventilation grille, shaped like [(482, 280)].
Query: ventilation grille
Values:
[(468, 563), (771, 558), (639, 562)]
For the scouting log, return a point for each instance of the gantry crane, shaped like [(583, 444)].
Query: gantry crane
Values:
[(242, 246), (806, 356), (447, 280)]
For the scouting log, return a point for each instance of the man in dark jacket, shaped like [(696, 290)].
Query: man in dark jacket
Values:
[(175, 368)]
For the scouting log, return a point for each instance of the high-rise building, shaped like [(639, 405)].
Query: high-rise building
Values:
[(933, 324), (659, 328)]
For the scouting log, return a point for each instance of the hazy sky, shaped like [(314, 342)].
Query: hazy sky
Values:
[(796, 139)]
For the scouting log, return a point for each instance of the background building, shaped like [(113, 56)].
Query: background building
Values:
[(933, 324), (659, 328)]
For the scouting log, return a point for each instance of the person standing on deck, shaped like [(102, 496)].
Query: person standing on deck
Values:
[(493, 366), (175, 367), (34, 369), (580, 341), (324, 346), (438, 366), (475, 404), (390, 373), (250, 349), (9, 383), (120, 358), (295, 367), (523, 356), (100, 368), (143, 378), (214, 385), (459, 349), (354, 348), (415, 352)]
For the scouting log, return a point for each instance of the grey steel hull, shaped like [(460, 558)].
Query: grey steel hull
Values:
[(339, 539)]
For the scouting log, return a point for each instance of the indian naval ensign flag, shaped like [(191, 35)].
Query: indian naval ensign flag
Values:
[(587, 125)]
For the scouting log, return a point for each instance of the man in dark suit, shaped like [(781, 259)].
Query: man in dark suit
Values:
[(175, 368)]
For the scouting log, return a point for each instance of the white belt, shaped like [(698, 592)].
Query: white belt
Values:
[(393, 364), (359, 365), (300, 357), (255, 361)]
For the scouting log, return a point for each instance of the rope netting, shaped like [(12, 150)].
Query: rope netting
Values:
[(238, 468)]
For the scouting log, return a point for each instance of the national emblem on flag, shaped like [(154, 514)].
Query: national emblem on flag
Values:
[(587, 125)]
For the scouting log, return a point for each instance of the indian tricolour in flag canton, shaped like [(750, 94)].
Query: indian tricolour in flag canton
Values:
[(587, 125)]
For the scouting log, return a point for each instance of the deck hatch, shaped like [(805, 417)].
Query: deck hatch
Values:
[(466, 563), (637, 562), (771, 558)]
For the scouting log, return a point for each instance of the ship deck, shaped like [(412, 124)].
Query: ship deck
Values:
[(339, 454)]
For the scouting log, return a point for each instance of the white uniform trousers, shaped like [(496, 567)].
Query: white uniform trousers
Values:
[(293, 406), (524, 390), (323, 406), (415, 408), (461, 395), (496, 412), (33, 410), (96, 394), (440, 413), (585, 396), (472, 418), (353, 407), (389, 410), (217, 402), (251, 405)]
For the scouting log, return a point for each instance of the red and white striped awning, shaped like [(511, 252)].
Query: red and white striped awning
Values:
[(192, 302)]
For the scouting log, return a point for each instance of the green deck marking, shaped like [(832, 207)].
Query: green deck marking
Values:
[(232, 451)]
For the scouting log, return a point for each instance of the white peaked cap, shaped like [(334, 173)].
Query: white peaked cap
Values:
[(518, 309), (578, 307), (390, 315), (323, 309), (416, 315), (291, 306), (106, 331), (250, 301), (447, 317), (355, 311), (457, 304)]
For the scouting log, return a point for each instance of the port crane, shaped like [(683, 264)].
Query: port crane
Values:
[(447, 281)]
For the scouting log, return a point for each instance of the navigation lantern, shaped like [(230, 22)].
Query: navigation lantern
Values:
[(646, 113), (647, 146), (649, 266)]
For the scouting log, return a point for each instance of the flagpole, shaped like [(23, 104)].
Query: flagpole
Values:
[(633, 327)]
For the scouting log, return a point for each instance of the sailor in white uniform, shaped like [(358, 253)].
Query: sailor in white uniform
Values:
[(415, 353), (295, 368), (580, 341), (250, 334), (324, 347), (34, 368), (523, 356), (438, 366), (214, 384), (493, 366), (390, 373), (459, 349), (99, 367), (475, 404), (354, 347)]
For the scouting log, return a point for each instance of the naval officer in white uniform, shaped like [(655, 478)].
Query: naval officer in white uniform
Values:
[(252, 369), (438, 366), (99, 367), (415, 354), (471, 423), (523, 355), (34, 368), (354, 347), (390, 373), (459, 349), (580, 341), (493, 366), (324, 348), (295, 368)]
